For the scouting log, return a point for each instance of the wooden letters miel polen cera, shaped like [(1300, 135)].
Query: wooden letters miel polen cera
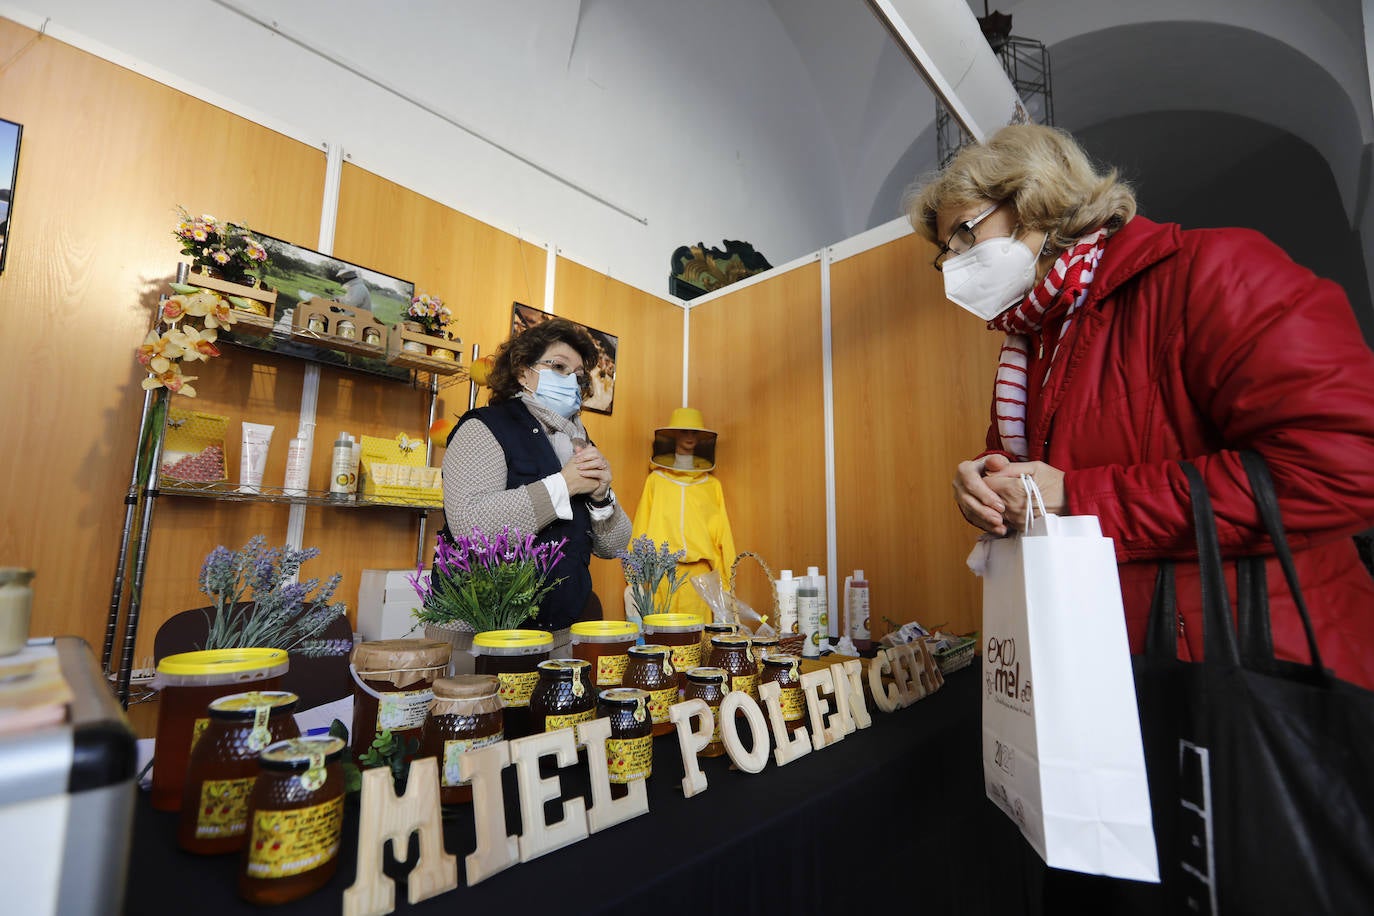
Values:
[(814, 684), (853, 693), (495, 850), (885, 696), (538, 835), (789, 747), (606, 811), (383, 817), (692, 740), (755, 759)]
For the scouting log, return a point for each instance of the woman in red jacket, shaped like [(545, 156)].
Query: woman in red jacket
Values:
[(1131, 345)]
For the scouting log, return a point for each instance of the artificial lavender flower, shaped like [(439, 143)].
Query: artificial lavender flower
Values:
[(489, 583)]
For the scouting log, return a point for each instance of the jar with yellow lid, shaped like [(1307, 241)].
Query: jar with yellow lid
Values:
[(710, 686), (563, 696), (514, 657), (466, 716), (651, 670), (187, 682), (224, 765), (295, 819), (734, 655), (605, 644), (784, 670), (630, 748), (392, 687), (681, 633)]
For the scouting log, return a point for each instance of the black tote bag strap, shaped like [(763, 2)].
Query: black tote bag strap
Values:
[(1161, 634), (1252, 613), (1218, 630), (1262, 486)]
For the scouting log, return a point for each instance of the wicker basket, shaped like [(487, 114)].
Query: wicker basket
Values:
[(957, 656), (788, 643)]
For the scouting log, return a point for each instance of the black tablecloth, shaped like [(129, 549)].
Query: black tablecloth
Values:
[(893, 814)]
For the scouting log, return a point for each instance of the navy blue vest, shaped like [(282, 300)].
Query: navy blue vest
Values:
[(530, 457)]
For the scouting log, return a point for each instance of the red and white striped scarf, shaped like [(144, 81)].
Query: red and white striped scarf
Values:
[(1061, 292)]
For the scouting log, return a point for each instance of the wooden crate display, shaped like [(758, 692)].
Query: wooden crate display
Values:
[(395, 469), (245, 321), (397, 355), (328, 314)]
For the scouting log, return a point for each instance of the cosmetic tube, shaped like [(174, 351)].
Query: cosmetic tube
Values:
[(253, 458)]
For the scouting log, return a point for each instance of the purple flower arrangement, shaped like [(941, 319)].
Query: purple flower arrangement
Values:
[(259, 602), (647, 567), (487, 583)]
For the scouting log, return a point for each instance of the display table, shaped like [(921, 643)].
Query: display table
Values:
[(893, 815)]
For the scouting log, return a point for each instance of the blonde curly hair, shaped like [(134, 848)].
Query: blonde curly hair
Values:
[(1046, 175)]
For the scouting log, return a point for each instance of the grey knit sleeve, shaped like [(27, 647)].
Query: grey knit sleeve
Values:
[(475, 494), (611, 536)]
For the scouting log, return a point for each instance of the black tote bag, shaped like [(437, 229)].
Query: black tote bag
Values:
[(1261, 771)]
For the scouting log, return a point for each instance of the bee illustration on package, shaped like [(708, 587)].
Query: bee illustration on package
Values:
[(193, 449)]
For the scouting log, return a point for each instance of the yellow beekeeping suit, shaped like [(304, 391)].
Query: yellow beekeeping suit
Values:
[(687, 509)]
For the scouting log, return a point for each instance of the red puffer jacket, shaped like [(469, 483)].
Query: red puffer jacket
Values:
[(1194, 344)]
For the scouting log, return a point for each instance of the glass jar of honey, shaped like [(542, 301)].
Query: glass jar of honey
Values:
[(651, 670), (682, 634), (630, 748), (224, 766), (466, 715), (734, 655), (295, 819), (514, 657), (783, 670), (762, 645), (563, 696), (605, 644), (709, 686), (709, 632), (393, 683), (187, 682)]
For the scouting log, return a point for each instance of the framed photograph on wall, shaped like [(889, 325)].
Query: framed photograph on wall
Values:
[(602, 397), (10, 133)]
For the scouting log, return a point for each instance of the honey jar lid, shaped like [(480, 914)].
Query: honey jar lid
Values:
[(246, 705), (604, 628), (720, 628), (780, 659), (466, 687), (705, 675), (300, 753), (623, 696), (650, 649), (671, 623), (764, 640), (512, 642), (222, 662), (400, 654), (730, 641), (560, 667)]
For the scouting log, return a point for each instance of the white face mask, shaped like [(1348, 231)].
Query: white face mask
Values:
[(990, 277)]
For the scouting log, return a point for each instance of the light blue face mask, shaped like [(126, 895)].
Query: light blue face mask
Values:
[(560, 393)]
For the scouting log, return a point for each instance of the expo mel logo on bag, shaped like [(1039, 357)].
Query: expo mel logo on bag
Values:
[(1003, 682)]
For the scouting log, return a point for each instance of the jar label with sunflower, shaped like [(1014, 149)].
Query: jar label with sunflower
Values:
[(515, 688), (659, 701), (629, 759), (610, 670), (456, 748), (223, 808), (793, 704), (749, 683), (286, 843), (685, 657)]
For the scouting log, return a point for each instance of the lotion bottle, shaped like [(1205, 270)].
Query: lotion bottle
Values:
[(856, 607), (297, 467), (787, 603), (809, 617), (343, 475), (823, 597)]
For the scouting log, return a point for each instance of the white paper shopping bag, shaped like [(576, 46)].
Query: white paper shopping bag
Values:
[(1062, 754)]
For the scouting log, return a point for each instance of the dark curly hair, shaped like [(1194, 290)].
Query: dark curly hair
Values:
[(523, 350)]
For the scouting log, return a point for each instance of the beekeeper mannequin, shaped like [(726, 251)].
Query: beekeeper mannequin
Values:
[(684, 505)]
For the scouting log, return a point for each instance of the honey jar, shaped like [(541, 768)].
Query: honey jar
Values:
[(708, 685), (514, 657), (187, 683), (630, 748), (709, 632), (734, 655), (605, 645), (783, 670), (467, 715), (392, 687), (651, 670), (295, 819), (346, 329), (224, 766), (316, 324), (563, 695), (762, 645), (681, 633), (372, 335)]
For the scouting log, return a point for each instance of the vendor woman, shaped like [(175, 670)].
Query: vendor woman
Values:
[(525, 461)]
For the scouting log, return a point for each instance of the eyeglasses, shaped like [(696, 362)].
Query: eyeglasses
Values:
[(962, 238), (563, 369)]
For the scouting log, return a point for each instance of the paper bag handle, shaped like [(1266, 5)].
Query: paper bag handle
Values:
[(1033, 499)]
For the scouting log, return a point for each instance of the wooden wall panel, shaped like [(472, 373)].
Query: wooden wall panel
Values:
[(107, 155), (912, 382), (648, 385), (755, 375)]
